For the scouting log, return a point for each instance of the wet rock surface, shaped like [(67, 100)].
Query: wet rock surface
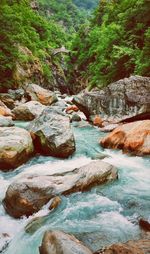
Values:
[(75, 118), (28, 111), (53, 134), (131, 138), (57, 242), (28, 194), (16, 147), (141, 246), (144, 224)]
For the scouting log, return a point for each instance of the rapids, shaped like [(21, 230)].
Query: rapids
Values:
[(102, 216)]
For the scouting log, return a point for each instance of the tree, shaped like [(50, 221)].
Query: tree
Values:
[(117, 43)]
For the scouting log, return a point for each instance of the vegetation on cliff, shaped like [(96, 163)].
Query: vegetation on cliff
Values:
[(30, 30), (115, 45), (20, 25), (64, 12)]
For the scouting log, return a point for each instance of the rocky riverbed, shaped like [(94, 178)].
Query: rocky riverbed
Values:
[(58, 176)]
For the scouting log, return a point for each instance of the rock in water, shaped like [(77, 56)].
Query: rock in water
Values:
[(145, 225), (28, 111), (75, 118), (141, 246), (16, 147), (131, 138), (121, 249), (57, 242), (28, 194), (55, 202), (6, 121), (37, 93), (37, 222), (53, 133)]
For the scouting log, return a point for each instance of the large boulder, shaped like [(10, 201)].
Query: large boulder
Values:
[(15, 147), (141, 246), (28, 194), (52, 133), (57, 242), (28, 111), (37, 93), (128, 96), (6, 121), (131, 137), (17, 94)]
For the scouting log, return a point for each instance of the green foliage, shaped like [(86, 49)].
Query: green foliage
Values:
[(115, 45), (64, 12), (20, 25)]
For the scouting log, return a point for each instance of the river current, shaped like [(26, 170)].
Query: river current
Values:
[(99, 217)]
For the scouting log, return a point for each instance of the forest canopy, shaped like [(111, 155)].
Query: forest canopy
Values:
[(115, 45)]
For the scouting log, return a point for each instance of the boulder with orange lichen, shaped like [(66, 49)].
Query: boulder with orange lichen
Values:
[(37, 93), (72, 108), (131, 138), (97, 121)]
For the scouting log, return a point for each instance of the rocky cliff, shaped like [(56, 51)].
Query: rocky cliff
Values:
[(129, 96)]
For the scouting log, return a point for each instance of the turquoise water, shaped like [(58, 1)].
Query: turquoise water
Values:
[(99, 217)]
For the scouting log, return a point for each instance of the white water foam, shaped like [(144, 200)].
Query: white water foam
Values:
[(52, 167)]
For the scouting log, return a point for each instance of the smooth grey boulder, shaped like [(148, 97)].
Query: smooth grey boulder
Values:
[(52, 133), (28, 111), (16, 147), (129, 96), (6, 121), (57, 242), (28, 194)]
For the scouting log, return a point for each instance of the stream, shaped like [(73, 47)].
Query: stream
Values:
[(104, 215)]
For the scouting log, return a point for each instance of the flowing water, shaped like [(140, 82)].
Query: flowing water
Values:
[(102, 216)]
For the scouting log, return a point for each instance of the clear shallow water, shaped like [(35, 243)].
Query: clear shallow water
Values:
[(99, 217)]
